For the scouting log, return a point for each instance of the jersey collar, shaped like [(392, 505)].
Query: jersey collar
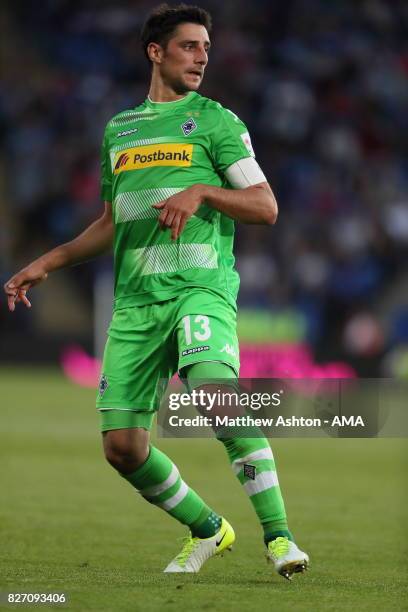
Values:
[(163, 106)]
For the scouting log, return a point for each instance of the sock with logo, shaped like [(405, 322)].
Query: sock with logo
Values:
[(159, 482), (253, 463), (251, 457)]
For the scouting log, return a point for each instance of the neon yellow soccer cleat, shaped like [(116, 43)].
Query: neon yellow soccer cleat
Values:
[(196, 550), (287, 557)]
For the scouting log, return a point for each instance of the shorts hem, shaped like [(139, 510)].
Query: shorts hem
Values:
[(125, 419), (198, 360), (145, 408)]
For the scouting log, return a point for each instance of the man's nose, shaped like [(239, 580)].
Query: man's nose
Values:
[(201, 56)]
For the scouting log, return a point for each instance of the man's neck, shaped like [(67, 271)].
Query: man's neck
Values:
[(159, 92)]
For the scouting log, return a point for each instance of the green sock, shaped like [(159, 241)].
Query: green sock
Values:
[(253, 463), (159, 482), (269, 536), (207, 527)]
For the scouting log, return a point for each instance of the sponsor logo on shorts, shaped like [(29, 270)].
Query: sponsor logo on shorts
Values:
[(138, 158), (196, 349), (228, 349), (189, 126), (103, 385), (126, 132), (250, 471)]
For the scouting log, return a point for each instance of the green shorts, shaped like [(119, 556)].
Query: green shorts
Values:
[(147, 344)]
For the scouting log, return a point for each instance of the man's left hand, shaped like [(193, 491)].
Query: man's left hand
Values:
[(177, 210)]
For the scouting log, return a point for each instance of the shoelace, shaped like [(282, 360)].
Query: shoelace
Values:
[(279, 547), (188, 548)]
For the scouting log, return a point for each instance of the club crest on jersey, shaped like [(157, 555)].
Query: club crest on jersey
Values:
[(188, 126)]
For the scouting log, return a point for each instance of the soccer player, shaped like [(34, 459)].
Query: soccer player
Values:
[(176, 172)]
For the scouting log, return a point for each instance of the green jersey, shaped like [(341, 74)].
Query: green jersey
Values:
[(149, 154)]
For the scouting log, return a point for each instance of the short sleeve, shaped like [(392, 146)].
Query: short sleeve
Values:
[(106, 171), (230, 141)]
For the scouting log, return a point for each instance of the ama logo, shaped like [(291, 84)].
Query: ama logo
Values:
[(122, 160)]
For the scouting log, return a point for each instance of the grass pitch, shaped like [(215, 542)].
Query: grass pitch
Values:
[(69, 524)]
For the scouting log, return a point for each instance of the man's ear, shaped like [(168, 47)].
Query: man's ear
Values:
[(155, 52)]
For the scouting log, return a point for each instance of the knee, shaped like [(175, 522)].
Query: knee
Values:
[(125, 453)]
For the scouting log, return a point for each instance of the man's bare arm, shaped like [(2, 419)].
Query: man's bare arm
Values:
[(255, 204), (95, 240)]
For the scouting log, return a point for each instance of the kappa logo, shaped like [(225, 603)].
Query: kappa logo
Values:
[(228, 349), (196, 349), (138, 158), (189, 126), (127, 132), (103, 385)]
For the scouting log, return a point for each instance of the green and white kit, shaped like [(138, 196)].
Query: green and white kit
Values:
[(175, 301)]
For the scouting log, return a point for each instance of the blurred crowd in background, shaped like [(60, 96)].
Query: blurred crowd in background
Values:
[(323, 89)]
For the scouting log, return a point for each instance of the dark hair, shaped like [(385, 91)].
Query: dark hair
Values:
[(163, 20)]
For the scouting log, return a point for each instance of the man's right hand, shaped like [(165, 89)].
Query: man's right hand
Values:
[(94, 240), (16, 288)]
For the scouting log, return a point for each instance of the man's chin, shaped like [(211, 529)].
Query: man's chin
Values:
[(186, 86), (194, 83)]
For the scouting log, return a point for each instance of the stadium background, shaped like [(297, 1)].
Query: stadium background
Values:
[(323, 89)]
